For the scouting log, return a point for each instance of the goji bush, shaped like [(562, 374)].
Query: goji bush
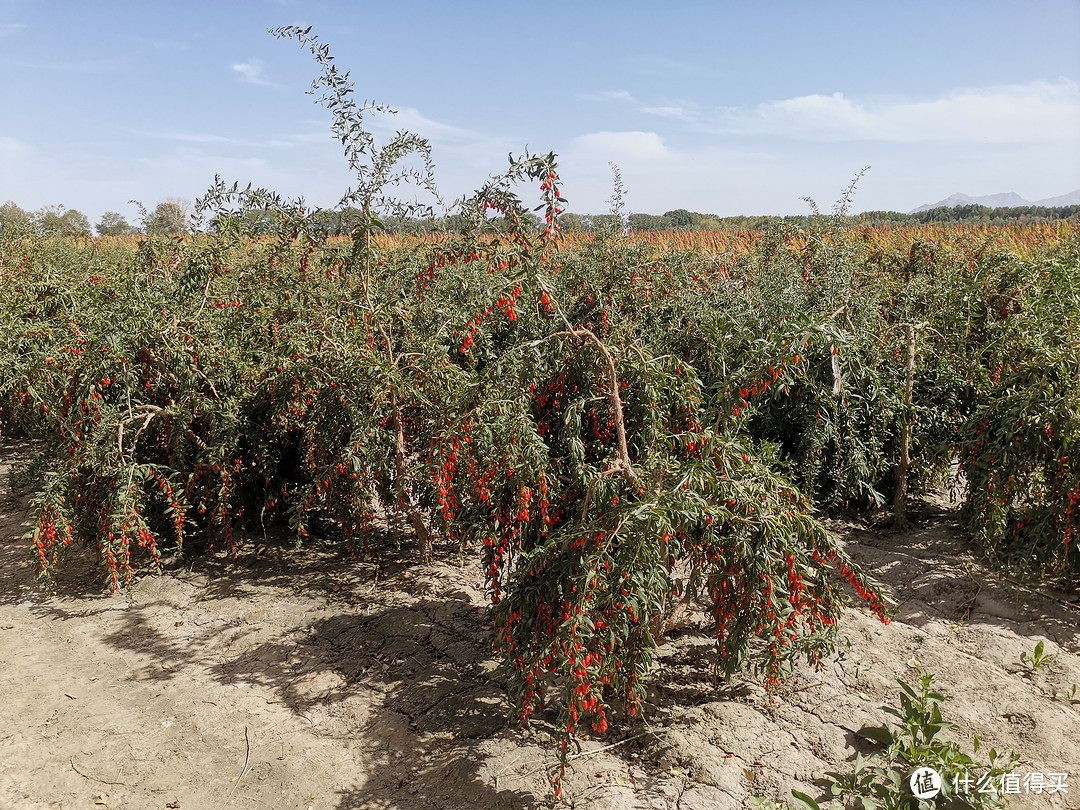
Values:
[(624, 431), (1020, 441)]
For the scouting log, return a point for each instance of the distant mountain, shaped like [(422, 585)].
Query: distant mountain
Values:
[(1008, 200), (1073, 198)]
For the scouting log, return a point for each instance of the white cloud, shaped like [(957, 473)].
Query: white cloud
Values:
[(608, 95), (708, 179), (90, 66), (750, 159), (764, 157), (668, 111), (463, 157), (13, 150), (616, 146), (285, 141), (1038, 112), (11, 29), (252, 72), (412, 120)]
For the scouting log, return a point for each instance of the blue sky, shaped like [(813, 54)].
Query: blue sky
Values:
[(719, 107)]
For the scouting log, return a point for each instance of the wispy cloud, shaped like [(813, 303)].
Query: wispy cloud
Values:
[(609, 95), (1038, 112), (279, 142), (169, 45), (454, 148), (411, 119), (616, 146), (252, 72), (11, 29), (91, 66), (670, 111), (659, 177)]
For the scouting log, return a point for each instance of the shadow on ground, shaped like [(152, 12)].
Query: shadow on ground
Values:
[(391, 660), (387, 655)]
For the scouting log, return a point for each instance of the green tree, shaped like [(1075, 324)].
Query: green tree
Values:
[(13, 216), (680, 219), (172, 217), (114, 224), (649, 222), (56, 220), (705, 222), (570, 222), (596, 222)]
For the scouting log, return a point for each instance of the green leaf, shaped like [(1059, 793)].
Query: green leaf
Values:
[(878, 734), (804, 801)]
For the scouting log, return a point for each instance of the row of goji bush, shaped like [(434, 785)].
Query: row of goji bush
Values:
[(625, 431)]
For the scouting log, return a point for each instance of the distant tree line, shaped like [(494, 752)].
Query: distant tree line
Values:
[(173, 216), (982, 215), (683, 220)]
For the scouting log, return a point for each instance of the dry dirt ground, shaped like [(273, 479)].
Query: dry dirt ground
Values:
[(302, 679)]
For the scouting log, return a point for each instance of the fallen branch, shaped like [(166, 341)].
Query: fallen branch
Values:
[(582, 754), (589, 753), (85, 775), (243, 771)]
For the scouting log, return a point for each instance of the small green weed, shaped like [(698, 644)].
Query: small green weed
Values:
[(882, 780), (1069, 695), (767, 804), (1038, 660)]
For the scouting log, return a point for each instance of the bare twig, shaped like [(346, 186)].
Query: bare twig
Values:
[(423, 533), (1043, 594), (85, 775), (583, 754), (838, 382), (845, 310), (807, 686), (601, 749), (624, 465), (902, 466), (637, 350), (243, 771), (968, 605), (147, 414)]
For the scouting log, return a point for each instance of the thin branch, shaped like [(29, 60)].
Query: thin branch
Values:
[(607, 747), (243, 771), (845, 310), (592, 485), (624, 465), (85, 775), (583, 754), (423, 533), (147, 414)]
